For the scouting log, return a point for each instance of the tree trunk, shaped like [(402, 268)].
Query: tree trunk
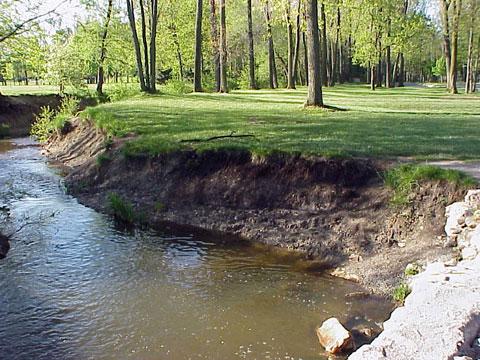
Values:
[(401, 71), (145, 45), (388, 58), (297, 43), (103, 49), (324, 46), (215, 43), (172, 27), (223, 49), (153, 44), (444, 6), (290, 82), (197, 73), (272, 66), (305, 55), (457, 5), (251, 49), (470, 78), (136, 44), (372, 78), (315, 96)]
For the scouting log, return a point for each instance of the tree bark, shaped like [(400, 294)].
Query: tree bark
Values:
[(296, 54), (324, 46), (251, 49), (457, 5), (197, 73), (145, 44), (388, 58), (223, 49), (290, 82), (372, 78), (470, 78), (305, 55), (136, 44), (153, 44), (215, 43), (401, 71), (444, 7), (315, 96), (103, 49), (272, 66)]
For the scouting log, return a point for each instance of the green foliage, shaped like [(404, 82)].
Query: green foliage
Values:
[(401, 292), (177, 87), (50, 120), (102, 159), (440, 67), (4, 130), (119, 92), (405, 178), (121, 209), (412, 269)]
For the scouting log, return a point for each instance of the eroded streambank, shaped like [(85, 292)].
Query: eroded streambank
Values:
[(335, 211)]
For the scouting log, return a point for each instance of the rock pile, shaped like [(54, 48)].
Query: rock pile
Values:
[(462, 228)]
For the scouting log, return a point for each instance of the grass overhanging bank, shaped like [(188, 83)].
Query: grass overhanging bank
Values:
[(172, 160)]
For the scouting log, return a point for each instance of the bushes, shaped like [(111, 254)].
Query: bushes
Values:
[(401, 292), (50, 120), (177, 87)]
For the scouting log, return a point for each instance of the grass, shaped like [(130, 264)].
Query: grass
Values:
[(405, 178), (401, 292), (121, 209), (407, 122)]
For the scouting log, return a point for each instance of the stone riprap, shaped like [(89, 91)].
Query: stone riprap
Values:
[(441, 317)]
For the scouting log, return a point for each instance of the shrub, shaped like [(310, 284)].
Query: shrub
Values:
[(401, 292), (102, 159), (4, 130), (405, 178), (177, 87), (122, 91), (122, 210), (49, 120)]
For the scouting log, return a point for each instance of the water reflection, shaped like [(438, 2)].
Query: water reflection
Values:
[(74, 287)]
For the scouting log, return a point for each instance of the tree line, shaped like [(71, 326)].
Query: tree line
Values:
[(220, 45)]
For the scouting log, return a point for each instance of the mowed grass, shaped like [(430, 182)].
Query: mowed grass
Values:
[(404, 122)]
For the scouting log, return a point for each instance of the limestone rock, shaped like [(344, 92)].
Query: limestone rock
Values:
[(334, 337), (470, 222), (454, 212), (473, 198)]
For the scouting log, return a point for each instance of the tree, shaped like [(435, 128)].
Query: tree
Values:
[(146, 68), (223, 49), (197, 73), (215, 43), (272, 67), (315, 97), (251, 50), (470, 75), (103, 49)]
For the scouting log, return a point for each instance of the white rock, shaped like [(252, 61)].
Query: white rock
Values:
[(334, 337), (473, 198), (454, 212)]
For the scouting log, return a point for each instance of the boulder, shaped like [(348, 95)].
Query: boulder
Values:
[(334, 337), (473, 198)]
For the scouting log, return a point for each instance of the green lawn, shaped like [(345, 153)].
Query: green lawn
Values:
[(412, 122)]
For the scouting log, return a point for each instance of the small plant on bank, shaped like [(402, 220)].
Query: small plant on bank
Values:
[(412, 269), (50, 120), (122, 210), (4, 130), (405, 179), (401, 292), (102, 159)]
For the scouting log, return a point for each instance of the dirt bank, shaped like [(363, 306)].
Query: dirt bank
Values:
[(18, 112), (335, 211)]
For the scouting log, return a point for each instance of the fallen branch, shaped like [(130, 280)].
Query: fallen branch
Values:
[(232, 135)]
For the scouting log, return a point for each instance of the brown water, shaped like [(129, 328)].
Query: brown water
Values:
[(74, 287)]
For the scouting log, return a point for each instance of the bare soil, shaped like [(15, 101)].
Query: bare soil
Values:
[(336, 212)]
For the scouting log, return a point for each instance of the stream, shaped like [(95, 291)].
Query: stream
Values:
[(73, 286)]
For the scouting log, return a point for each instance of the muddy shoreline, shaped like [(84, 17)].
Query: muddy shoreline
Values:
[(335, 212)]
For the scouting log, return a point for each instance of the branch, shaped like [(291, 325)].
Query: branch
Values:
[(20, 26), (232, 135)]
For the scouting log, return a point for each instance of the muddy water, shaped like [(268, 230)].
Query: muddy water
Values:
[(74, 287)]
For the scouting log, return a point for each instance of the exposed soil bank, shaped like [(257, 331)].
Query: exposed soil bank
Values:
[(336, 212), (18, 112), (441, 317)]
